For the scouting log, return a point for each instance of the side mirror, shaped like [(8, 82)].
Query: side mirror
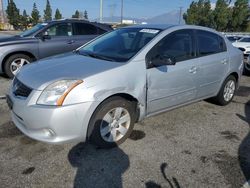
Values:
[(160, 60), (45, 36)]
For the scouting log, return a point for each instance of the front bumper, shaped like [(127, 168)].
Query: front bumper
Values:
[(51, 124)]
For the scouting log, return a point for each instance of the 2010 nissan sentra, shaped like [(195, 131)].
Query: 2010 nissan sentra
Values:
[(99, 91)]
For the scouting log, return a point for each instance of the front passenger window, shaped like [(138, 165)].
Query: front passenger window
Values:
[(177, 46), (64, 29)]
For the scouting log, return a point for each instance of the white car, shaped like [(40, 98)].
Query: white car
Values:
[(244, 45)]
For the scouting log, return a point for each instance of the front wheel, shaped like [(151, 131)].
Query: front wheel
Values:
[(112, 122), (14, 63), (227, 91)]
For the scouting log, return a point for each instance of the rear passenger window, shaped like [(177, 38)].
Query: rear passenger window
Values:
[(85, 29), (210, 43), (178, 45)]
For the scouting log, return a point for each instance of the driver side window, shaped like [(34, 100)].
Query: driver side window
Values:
[(177, 46), (64, 29)]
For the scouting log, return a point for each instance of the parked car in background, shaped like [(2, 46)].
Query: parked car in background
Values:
[(244, 45), (99, 91), (46, 39), (233, 38)]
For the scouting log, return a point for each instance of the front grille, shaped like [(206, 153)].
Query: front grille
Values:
[(242, 49), (19, 89)]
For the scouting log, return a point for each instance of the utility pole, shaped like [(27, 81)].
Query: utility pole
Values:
[(101, 10), (180, 15), (121, 11)]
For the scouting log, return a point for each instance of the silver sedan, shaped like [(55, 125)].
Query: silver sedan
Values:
[(100, 90)]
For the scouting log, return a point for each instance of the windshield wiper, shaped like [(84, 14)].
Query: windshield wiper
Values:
[(97, 56)]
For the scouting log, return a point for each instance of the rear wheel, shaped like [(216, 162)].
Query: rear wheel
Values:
[(112, 122), (14, 63), (247, 68), (227, 91)]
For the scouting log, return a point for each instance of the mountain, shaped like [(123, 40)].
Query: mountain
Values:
[(167, 18)]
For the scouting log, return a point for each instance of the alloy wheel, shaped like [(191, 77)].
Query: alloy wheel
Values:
[(115, 124), (17, 64)]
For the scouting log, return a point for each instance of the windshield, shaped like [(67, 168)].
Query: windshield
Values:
[(245, 40), (119, 45), (33, 30)]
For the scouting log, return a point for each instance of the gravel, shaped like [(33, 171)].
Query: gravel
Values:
[(200, 145)]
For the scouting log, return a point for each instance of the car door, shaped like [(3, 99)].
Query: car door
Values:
[(83, 33), (56, 39), (214, 62), (172, 85)]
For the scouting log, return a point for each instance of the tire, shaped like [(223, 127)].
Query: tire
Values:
[(110, 126), (246, 69), (223, 99), (16, 60)]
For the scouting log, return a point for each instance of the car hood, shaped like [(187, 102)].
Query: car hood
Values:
[(67, 66), (241, 44), (14, 40)]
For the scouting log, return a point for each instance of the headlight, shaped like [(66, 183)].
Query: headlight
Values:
[(56, 93)]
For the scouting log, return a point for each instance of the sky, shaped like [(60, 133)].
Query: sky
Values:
[(132, 8)]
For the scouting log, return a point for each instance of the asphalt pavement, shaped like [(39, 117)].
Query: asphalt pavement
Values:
[(199, 145)]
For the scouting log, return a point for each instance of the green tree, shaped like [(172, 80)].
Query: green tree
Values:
[(58, 15), (48, 12), (205, 13), (240, 15), (24, 20), (191, 16), (76, 15), (199, 13), (221, 15), (86, 15), (13, 14), (35, 16)]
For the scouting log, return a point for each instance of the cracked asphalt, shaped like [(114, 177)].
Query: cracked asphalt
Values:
[(200, 145)]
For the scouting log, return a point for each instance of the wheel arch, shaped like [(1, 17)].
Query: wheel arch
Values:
[(125, 96), (236, 76), (31, 55)]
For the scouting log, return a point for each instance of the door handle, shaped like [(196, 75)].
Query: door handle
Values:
[(193, 70), (224, 61), (71, 42)]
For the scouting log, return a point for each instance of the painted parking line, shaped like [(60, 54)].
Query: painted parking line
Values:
[(2, 97)]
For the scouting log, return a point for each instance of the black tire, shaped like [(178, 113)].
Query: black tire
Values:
[(101, 111), (246, 70), (7, 64), (219, 99)]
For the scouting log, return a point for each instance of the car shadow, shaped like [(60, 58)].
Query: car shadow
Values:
[(171, 182), (244, 149), (3, 75), (98, 167)]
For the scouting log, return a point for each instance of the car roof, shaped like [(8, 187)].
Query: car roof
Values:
[(168, 26), (153, 26), (72, 20)]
